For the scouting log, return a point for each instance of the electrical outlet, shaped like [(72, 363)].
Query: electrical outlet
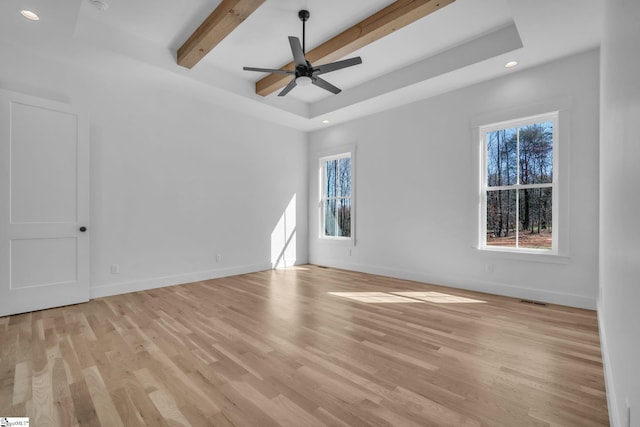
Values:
[(349, 252), (115, 268), (488, 268), (218, 258)]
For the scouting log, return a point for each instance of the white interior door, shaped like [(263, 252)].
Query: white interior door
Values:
[(44, 204)]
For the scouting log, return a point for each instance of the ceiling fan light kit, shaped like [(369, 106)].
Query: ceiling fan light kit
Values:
[(304, 81), (305, 74)]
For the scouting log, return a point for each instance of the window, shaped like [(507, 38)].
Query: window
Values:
[(336, 197), (519, 190)]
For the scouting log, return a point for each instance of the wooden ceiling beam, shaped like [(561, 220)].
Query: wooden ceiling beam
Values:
[(222, 21), (382, 23)]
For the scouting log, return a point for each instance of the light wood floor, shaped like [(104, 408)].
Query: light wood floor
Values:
[(276, 348)]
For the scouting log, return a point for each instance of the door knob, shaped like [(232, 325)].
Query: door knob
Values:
[(83, 229)]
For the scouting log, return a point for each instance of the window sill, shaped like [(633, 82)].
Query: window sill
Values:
[(343, 241), (528, 256)]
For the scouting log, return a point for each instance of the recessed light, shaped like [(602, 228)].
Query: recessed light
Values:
[(31, 16), (325, 121), (511, 64)]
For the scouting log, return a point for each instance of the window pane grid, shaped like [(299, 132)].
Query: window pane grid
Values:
[(513, 187), (518, 185), (336, 197)]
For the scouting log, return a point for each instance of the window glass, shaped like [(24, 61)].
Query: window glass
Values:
[(336, 196), (518, 184)]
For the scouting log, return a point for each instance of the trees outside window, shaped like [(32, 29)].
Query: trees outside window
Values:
[(336, 203), (518, 184)]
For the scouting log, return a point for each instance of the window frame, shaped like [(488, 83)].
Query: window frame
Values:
[(346, 152), (483, 130)]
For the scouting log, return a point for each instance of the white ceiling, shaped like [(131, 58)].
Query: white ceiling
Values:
[(464, 43)]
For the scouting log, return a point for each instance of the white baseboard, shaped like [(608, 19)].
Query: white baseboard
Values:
[(571, 300), (160, 282), (288, 262), (612, 402)]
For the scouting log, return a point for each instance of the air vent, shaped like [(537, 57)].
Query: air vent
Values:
[(528, 301)]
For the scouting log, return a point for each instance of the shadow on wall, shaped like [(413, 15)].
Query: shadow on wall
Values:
[(283, 238)]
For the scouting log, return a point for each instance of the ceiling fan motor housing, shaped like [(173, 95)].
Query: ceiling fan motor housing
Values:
[(302, 70)]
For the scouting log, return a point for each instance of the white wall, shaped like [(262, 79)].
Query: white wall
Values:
[(175, 179), (416, 184), (620, 208)]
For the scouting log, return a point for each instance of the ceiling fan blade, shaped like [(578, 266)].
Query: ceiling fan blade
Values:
[(268, 70), (325, 85), (288, 88), (338, 65), (296, 50)]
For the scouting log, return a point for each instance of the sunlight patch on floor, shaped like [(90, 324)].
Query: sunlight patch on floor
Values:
[(439, 297), (374, 297), (405, 297)]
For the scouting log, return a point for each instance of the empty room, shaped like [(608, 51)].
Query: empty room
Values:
[(319, 213)]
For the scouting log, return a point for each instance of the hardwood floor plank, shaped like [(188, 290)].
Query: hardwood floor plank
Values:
[(85, 411), (144, 405), (22, 383), (43, 397), (127, 410), (167, 407), (241, 410), (66, 412), (281, 348), (102, 402)]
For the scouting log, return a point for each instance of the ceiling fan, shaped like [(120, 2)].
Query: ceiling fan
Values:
[(304, 73)]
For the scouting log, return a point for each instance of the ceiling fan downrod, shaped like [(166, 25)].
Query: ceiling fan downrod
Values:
[(304, 17)]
